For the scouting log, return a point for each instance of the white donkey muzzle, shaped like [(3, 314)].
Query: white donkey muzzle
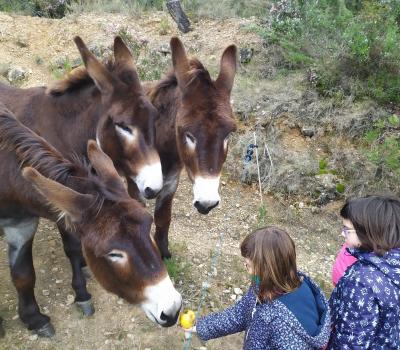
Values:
[(149, 180), (206, 196), (163, 303)]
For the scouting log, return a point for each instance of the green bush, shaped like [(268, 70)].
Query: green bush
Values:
[(40, 8), (352, 46), (381, 144)]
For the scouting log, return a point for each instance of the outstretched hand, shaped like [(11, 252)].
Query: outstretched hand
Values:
[(189, 332)]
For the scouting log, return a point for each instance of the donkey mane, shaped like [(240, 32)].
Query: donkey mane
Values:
[(197, 71), (33, 150), (76, 79)]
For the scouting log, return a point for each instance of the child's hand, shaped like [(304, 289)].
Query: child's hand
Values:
[(189, 332)]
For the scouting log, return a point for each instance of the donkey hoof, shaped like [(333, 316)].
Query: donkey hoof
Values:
[(86, 272), (166, 256), (47, 331), (86, 307)]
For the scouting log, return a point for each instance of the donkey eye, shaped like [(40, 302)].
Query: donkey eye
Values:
[(117, 256), (128, 134), (190, 140), (124, 127)]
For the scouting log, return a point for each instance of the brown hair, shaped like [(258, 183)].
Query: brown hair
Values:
[(376, 220), (273, 255)]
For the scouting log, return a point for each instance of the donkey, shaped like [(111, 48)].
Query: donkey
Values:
[(192, 131), (106, 103), (93, 201)]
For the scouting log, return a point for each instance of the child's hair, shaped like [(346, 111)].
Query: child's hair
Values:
[(376, 220), (273, 254)]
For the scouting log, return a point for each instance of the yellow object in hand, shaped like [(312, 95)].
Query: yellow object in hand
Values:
[(187, 318)]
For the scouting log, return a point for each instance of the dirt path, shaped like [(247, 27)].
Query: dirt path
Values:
[(117, 325)]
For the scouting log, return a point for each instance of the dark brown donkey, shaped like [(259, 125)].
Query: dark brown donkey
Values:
[(100, 102), (192, 130), (106, 103), (92, 199)]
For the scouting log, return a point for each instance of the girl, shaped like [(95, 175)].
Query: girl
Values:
[(366, 301), (283, 309)]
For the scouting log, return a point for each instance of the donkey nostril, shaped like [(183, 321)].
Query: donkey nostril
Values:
[(169, 320), (149, 193), (204, 208)]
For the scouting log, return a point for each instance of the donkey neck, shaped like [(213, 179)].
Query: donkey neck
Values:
[(166, 97), (74, 121)]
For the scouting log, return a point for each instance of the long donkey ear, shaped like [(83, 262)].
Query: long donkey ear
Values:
[(227, 71), (104, 167), (125, 62), (179, 61), (63, 198), (122, 54), (102, 78)]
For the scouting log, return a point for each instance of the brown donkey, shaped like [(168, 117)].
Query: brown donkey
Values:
[(106, 103), (192, 130), (92, 199)]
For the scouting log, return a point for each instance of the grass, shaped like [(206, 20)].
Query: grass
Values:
[(177, 267), (353, 50), (381, 144), (59, 70)]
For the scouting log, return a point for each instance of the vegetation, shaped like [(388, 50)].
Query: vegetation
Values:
[(40, 8), (381, 145), (351, 48)]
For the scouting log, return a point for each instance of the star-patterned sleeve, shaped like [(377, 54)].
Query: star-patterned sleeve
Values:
[(230, 321), (359, 317)]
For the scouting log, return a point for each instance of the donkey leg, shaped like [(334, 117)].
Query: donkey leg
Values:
[(1, 328), (19, 237), (73, 250), (162, 214)]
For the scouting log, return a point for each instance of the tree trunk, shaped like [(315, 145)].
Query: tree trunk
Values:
[(175, 9)]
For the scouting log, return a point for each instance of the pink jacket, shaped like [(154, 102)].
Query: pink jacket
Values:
[(343, 260)]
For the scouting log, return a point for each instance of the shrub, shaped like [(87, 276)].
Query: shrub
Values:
[(40, 8), (352, 47), (381, 145)]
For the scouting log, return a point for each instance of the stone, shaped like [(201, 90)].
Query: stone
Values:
[(70, 299), (308, 131), (237, 291), (16, 74), (245, 55)]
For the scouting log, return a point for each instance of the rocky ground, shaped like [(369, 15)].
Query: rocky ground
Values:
[(39, 47)]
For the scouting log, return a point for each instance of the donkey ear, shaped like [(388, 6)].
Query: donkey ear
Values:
[(104, 166), (63, 198), (179, 61), (125, 62), (101, 76), (227, 71), (122, 54)]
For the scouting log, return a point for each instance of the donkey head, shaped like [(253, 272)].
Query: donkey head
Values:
[(126, 129), (115, 233), (204, 121)]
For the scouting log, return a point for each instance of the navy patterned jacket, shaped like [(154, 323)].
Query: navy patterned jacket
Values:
[(268, 325), (365, 304)]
